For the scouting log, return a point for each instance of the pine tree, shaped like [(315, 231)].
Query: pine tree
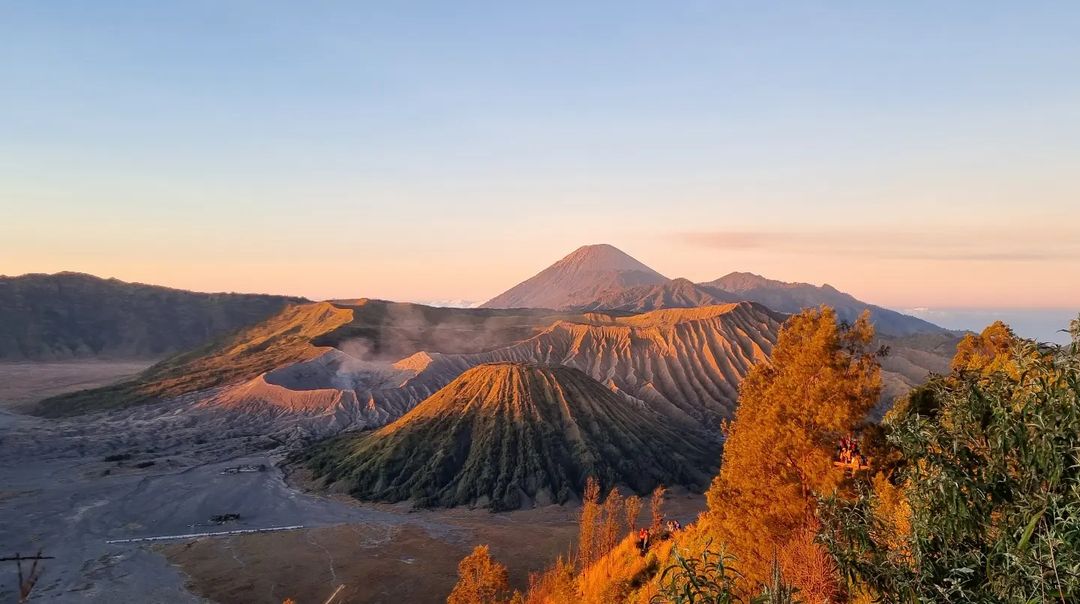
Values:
[(656, 509), (588, 539), (481, 580), (612, 523), (633, 510), (820, 383)]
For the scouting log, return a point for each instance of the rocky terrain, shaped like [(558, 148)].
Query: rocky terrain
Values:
[(362, 329), (684, 364), (505, 435), (677, 293)]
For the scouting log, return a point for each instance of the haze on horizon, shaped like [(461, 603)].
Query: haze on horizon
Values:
[(915, 156)]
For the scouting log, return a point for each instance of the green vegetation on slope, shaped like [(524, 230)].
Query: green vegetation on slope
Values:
[(987, 461), (503, 434)]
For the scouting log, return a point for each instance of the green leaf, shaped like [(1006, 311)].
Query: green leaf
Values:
[(1030, 529)]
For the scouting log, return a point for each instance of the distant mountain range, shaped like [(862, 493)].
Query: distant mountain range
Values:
[(73, 315), (601, 277), (597, 365)]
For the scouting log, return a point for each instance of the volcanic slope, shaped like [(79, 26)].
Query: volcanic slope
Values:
[(577, 280), (686, 364), (677, 293), (281, 340), (511, 434), (360, 330)]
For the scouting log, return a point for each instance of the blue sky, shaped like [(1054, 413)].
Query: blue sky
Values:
[(914, 154)]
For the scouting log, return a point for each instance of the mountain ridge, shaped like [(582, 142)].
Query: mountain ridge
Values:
[(589, 279), (71, 315), (792, 297)]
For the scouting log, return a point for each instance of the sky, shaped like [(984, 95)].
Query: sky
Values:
[(915, 154)]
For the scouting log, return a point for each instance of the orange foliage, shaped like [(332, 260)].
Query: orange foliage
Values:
[(988, 352), (601, 525), (656, 507), (615, 577), (807, 564), (633, 511), (894, 512), (481, 580), (588, 529), (556, 585), (612, 523), (820, 383)]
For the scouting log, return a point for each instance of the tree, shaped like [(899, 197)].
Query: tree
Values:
[(556, 585), (611, 526), (588, 525), (481, 580), (656, 509), (633, 510), (992, 479), (987, 353), (821, 381)]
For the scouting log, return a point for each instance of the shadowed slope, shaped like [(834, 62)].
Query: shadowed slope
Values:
[(284, 339), (677, 293), (503, 435), (794, 297), (73, 315)]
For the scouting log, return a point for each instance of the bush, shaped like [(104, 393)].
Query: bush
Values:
[(992, 478)]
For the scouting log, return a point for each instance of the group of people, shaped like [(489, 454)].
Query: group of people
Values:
[(848, 453), (644, 534)]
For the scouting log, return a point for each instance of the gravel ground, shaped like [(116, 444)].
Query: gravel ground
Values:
[(59, 495)]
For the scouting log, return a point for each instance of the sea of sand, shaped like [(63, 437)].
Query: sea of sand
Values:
[(68, 487)]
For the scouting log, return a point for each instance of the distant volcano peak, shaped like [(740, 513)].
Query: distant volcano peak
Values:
[(603, 257), (578, 279)]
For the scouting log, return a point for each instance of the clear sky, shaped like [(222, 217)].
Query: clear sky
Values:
[(911, 153)]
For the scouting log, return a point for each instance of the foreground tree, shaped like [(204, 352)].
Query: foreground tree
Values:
[(821, 381), (589, 535), (656, 509), (989, 352), (481, 580), (992, 480)]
